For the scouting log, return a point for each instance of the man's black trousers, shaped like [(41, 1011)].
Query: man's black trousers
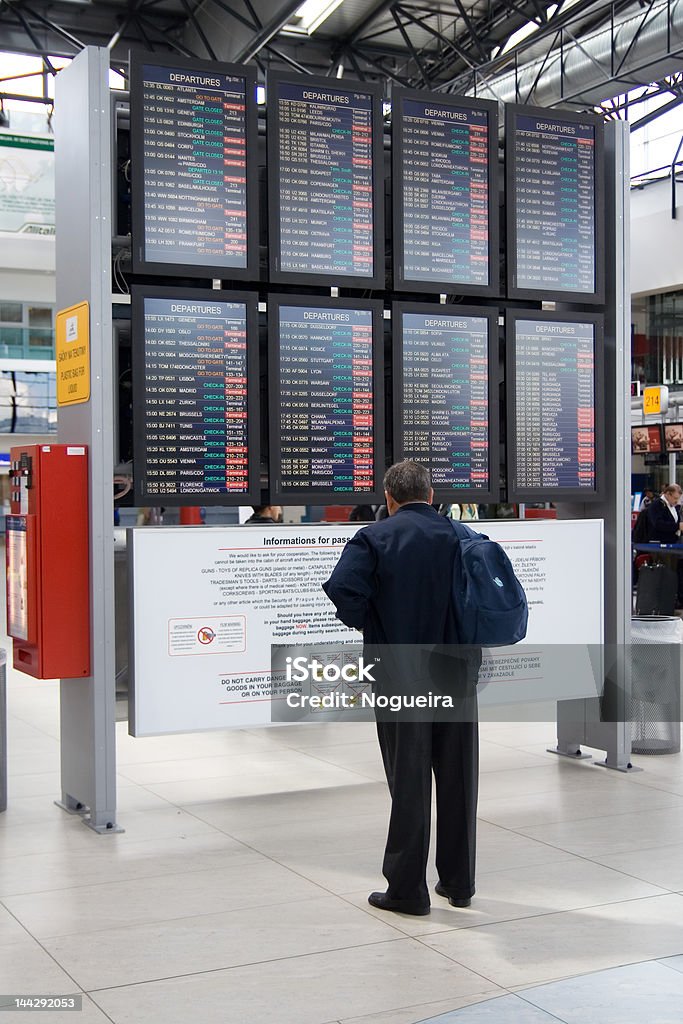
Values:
[(411, 751)]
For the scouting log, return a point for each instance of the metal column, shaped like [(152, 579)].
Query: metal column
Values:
[(83, 191), (585, 721), (3, 730)]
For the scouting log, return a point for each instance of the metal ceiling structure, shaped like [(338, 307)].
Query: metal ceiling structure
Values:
[(577, 53)]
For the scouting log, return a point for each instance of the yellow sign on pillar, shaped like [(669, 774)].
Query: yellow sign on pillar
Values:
[(656, 400), (73, 354)]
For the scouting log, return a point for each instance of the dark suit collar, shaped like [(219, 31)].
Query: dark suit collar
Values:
[(418, 506)]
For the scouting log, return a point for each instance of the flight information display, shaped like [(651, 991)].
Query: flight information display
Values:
[(194, 394), (445, 162), (326, 408), (325, 179), (193, 139), (555, 204), (552, 413), (444, 402)]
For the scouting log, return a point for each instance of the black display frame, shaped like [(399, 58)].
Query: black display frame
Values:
[(439, 285), (543, 494), (458, 494), (309, 278), (141, 265), (663, 450), (320, 496), (139, 293), (597, 296)]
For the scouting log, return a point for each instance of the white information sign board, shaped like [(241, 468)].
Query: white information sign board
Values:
[(27, 184), (208, 602)]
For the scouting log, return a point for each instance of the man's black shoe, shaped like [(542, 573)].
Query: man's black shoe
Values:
[(383, 901), (453, 900)]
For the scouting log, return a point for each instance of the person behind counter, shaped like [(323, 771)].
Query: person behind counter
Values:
[(663, 517), (265, 515), (664, 527), (362, 514)]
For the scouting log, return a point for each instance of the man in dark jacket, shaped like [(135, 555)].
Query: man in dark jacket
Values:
[(664, 527), (394, 582), (265, 515), (663, 517)]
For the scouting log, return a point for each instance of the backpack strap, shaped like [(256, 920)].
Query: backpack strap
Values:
[(464, 532)]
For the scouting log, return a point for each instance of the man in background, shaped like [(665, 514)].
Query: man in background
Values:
[(265, 515), (663, 516), (664, 527), (394, 582)]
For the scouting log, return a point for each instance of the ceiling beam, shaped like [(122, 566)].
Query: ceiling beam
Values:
[(411, 49), (267, 33), (194, 21)]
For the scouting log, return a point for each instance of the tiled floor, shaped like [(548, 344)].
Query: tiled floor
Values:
[(644, 993), (238, 893)]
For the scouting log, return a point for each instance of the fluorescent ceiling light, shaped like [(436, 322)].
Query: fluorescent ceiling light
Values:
[(531, 26), (520, 35), (311, 15)]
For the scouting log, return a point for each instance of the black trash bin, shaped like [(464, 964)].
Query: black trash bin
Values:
[(655, 711)]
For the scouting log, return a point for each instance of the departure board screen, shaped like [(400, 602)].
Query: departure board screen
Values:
[(555, 205), (326, 408), (194, 394), (194, 132), (552, 423), (445, 160), (325, 179), (444, 404)]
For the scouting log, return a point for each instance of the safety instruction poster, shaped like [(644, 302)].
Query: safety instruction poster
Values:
[(209, 602), (72, 349)]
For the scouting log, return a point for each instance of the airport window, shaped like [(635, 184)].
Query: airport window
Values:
[(28, 403), (657, 339), (11, 312)]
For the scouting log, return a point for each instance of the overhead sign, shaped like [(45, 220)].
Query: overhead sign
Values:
[(655, 400), (72, 345)]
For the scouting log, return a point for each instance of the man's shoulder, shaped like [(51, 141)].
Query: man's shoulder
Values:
[(405, 521)]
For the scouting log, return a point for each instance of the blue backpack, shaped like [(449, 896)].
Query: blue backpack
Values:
[(490, 604)]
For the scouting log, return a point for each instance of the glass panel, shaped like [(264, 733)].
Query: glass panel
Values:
[(38, 338), (10, 312), (40, 316), (11, 338), (27, 403)]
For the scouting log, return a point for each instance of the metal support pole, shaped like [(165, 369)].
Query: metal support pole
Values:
[(3, 730), (604, 725), (84, 229)]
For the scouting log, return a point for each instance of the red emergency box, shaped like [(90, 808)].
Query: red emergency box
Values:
[(48, 577)]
